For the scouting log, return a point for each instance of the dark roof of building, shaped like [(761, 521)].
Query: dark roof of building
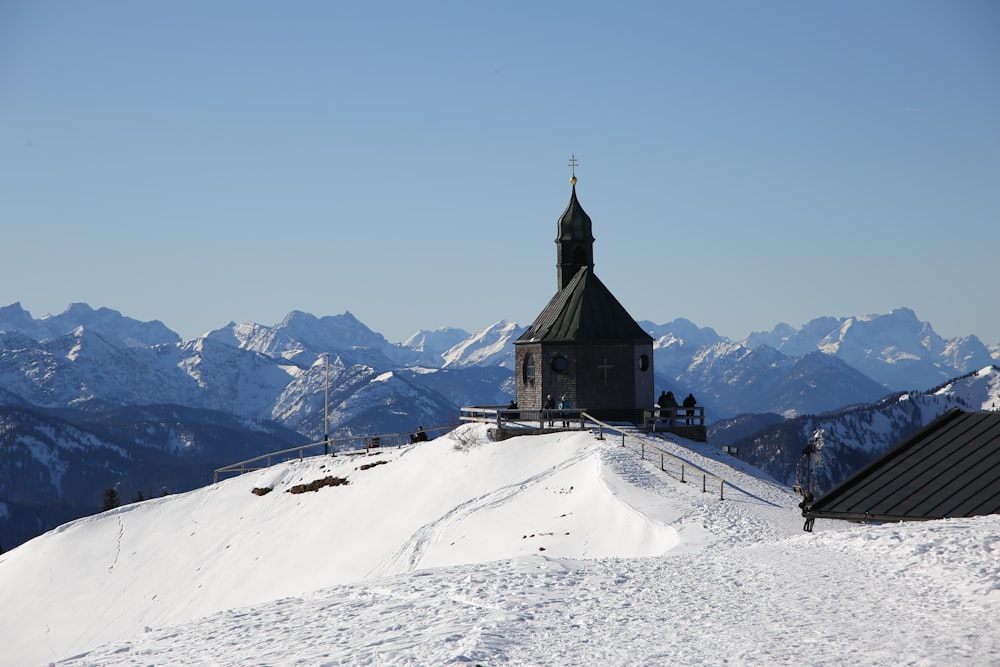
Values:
[(584, 311), (950, 468), (574, 223)]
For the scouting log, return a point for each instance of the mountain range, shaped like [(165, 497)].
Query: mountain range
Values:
[(70, 383)]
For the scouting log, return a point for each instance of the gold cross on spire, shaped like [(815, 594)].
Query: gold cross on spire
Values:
[(572, 163)]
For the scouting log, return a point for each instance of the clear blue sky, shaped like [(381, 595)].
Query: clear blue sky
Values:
[(744, 163)]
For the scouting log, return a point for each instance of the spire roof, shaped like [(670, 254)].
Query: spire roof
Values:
[(575, 224)]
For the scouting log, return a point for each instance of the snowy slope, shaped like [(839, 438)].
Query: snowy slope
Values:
[(545, 550)]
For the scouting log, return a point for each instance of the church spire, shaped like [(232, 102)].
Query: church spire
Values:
[(575, 240)]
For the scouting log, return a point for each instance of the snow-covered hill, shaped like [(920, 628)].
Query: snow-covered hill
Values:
[(541, 550)]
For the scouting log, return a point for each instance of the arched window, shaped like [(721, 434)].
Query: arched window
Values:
[(643, 362), (528, 374)]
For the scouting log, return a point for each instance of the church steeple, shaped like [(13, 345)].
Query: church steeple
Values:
[(575, 240)]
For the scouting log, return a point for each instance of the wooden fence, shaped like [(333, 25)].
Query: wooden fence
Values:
[(358, 444)]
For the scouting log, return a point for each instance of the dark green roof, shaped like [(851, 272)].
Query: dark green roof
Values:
[(585, 311), (950, 468), (574, 223)]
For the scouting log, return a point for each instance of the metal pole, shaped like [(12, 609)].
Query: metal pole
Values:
[(326, 408), (722, 490), (682, 474)]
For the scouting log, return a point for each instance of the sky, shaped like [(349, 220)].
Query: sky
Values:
[(744, 164), (558, 549)]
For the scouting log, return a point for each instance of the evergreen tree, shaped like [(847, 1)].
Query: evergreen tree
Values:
[(111, 499)]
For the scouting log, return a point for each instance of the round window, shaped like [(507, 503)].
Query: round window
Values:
[(559, 364), (643, 362)]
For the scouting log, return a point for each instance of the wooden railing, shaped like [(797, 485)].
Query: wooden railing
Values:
[(357, 444), (505, 417), (680, 416)]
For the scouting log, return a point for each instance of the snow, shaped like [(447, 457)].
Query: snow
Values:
[(556, 549)]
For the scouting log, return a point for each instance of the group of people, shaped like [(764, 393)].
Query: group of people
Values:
[(419, 436), (668, 407)]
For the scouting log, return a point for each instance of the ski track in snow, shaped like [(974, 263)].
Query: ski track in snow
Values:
[(407, 558)]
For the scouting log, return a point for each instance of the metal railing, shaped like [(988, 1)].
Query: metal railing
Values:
[(512, 418), (357, 444), (685, 468)]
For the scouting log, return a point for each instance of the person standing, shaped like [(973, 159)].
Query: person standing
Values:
[(564, 404), (668, 407), (664, 402), (689, 402), (549, 406)]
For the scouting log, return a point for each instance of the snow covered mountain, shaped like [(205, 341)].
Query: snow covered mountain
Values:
[(730, 379), (851, 437), (549, 550), (897, 350), (493, 346), (84, 355), (109, 324), (95, 361)]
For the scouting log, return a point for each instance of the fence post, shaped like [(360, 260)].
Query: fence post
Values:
[(722, 490), (682, 474), (642, 451), (600, 432), (704, 481), (661, 463), (623, 438)]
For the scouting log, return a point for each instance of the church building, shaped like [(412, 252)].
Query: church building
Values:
[(584, 345)]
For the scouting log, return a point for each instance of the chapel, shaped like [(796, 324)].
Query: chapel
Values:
[(584, 347)]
